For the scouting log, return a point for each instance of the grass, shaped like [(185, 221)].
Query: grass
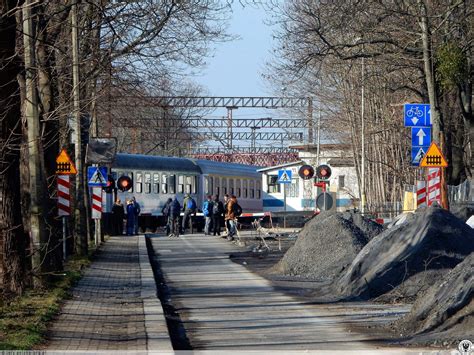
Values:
[(24, 320)]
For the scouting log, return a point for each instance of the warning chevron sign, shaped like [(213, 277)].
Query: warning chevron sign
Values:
[(433, 158)]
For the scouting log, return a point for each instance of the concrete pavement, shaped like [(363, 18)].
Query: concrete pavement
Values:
[(115, 305), (223, 306)]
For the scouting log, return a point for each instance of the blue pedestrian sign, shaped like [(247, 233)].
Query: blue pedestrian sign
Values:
[(420, 136), (417, 115), (284, 176), (417, 153), (97, 176)]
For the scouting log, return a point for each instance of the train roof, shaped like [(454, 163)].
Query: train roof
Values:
[(230, 169), (150, 162)]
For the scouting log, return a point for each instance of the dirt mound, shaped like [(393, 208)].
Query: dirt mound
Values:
[(462, 211), (433, 240), (327, 244), (446, 304)]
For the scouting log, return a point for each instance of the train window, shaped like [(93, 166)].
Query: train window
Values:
[(138, 183), (172, 184), (224, 185), (252, 189), (129, 174), (217, 185), (147, 183), (194, 185), (238, 189), (189, 184), (156, 183), (245, 188), (164, 184), (208, 185), (273, 184), (259, 190), (180, 184), (231, 186)]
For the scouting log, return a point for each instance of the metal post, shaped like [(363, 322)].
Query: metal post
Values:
[(284, 205), (64, 237), (319, 135), (362, 112), (310, 120)]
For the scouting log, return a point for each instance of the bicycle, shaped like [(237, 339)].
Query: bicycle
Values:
[(414, 111)]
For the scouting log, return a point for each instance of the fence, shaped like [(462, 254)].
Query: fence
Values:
[(461, 193)]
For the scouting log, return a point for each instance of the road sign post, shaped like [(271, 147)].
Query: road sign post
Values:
[(284, 177)]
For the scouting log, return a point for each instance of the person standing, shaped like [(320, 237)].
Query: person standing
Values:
[(137, 211), (217, 210), (118, 215), (166, 212), (230, 218), (207, 211), (173, 217), (130, 218), (189, 208)]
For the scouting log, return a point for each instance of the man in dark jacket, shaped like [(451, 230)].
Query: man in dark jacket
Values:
[(130, 218), (174, 211), (217, 210), (166, 212), (118, 215)]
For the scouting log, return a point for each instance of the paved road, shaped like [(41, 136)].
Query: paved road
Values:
[(225, 306)]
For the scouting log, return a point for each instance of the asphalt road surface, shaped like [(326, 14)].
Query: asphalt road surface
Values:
[(222, 305)]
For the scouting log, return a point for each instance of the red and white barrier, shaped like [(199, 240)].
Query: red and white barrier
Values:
[(420, 193), (434, 186), (64, 195), (96, 202)]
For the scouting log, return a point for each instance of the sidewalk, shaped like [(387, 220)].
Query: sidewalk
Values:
[(114, 306)]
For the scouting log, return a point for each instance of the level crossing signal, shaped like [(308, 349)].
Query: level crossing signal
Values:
[(323, 172), (109, 188), (306, 172), (124, 183)]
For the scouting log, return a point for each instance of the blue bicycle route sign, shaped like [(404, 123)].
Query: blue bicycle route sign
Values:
[(417, 115)]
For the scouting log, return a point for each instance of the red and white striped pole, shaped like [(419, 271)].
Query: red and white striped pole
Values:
[(434, 186), (64, 204), (420, 193), (96, 202)]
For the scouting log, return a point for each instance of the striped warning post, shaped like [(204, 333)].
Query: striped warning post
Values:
[(64, 195), (420, 193), (96, 202), (434, 186)]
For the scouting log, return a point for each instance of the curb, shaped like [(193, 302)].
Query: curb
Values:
[(156, 329)]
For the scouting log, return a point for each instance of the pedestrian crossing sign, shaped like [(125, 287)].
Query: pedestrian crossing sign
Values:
[(284, 176), (97, 176), (433, 158)]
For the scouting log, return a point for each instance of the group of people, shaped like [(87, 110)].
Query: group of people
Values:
[(118, 215), (213, 210)]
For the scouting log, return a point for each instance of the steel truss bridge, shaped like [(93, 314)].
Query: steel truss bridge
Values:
[(231, 152)]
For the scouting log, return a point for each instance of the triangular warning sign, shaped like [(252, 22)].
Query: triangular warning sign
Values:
[(97, 178), (434, 158), (284, 177), (64, 164)]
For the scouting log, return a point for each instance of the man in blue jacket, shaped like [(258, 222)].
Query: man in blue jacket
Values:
[(207, 211)]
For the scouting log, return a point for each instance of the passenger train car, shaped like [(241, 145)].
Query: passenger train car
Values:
[(157, 178)]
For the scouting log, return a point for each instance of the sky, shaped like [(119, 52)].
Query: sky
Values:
[(236, 66)]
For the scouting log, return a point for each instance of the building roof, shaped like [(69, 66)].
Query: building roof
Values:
[(281, 166)]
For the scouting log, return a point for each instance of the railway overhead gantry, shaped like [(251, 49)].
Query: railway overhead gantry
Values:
[(229, 130)]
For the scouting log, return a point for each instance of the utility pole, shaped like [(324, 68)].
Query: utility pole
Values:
[(362, 113), (80, 237), (310, 120), (37, 227)]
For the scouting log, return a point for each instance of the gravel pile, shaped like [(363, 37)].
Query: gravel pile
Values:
[(433, 241), (327, 245), (447, 303)]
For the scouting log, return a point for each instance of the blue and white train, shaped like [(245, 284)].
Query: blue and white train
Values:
[(157, 178)]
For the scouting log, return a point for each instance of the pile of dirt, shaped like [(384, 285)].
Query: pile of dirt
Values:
[(434, 241), (444, 307), (463, 212), (327, 245)]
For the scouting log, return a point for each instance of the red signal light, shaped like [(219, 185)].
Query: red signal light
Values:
[(124, 183), (306, 172), (323, 172)]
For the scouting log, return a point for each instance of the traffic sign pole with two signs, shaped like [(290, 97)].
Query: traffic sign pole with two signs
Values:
[(420, 142)]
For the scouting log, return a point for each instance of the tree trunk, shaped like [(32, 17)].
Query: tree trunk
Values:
[(13, 239)]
